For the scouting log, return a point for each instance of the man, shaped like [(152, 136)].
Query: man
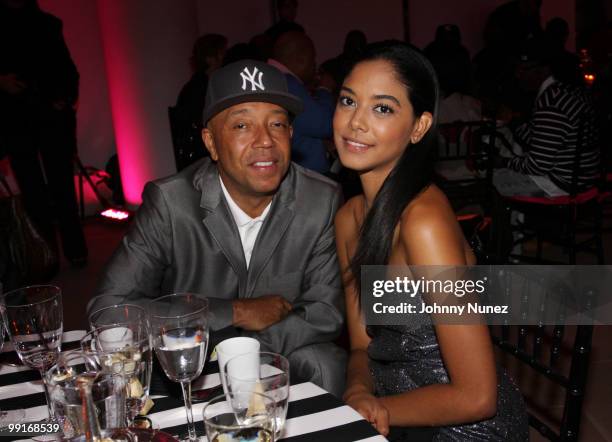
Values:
[(246, 228), (294, 54), (287, 11), (562, 121), (39, 86), (207, 56)]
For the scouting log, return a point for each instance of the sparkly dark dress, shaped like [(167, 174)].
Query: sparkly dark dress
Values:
[(403, 358)]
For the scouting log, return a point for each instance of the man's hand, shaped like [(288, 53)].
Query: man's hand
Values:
[(256, 314), (11, 84), (370, 407)]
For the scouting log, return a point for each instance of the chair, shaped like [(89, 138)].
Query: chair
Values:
[(464, 167), (545, 350), (186, 139), (560, 220)]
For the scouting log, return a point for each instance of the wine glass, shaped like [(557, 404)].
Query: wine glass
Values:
[(8, 416), (34, 319), (122, 332), (124, 350), (179, 330), (117, 314), (261, 372), (240, 416)]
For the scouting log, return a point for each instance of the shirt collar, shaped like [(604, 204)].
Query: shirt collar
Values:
[(281, 67), (240, 216), (549, 80)]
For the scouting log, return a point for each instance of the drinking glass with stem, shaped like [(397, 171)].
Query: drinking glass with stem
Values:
[(121, 332), (8, 416), (179, 331), (125, 351), (34, 320)]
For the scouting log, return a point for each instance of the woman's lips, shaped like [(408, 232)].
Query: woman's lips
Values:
[(356, 146)]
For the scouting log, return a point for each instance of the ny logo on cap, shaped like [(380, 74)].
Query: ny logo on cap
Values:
[(250, 77)]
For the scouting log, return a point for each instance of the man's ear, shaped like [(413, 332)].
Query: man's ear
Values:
[(421, 126), (209, 142), (290, 131)]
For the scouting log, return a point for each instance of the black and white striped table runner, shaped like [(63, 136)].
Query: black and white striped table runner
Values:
[(313, 415)]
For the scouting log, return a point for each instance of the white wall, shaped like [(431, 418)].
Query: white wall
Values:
[(145, 47)]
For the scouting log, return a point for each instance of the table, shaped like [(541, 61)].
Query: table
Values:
[(313, 415)]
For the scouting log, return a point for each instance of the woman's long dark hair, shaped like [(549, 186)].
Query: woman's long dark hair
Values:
[(413, 172)]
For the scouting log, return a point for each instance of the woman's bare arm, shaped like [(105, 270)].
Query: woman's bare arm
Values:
[(430, 235)]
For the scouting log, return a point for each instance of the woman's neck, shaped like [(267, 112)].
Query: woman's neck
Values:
[(371, 182)]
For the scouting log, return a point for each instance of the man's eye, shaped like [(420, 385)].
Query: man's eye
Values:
[(240, 126), (346, 101), (279, 124), (383, 109)]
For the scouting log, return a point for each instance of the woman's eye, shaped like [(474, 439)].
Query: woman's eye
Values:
[(383, 109), (346, 101)]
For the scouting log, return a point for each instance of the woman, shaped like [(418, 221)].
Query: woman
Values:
[(440, 376)]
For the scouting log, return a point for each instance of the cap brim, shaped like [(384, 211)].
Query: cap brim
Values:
[(287, 101)]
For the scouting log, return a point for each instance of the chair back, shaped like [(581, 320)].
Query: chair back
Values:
[(557, 353), (464, 164), (186, 139)]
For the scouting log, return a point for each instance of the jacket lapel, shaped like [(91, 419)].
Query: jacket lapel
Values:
[(274, 227), (219, 222)]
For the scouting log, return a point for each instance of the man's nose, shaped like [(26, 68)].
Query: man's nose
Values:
[(263, 138)]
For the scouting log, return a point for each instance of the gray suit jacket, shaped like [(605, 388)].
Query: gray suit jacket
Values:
[(184, 239)]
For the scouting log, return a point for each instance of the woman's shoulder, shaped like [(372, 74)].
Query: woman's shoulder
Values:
[(429, 208), (429, 229), (349, 212)]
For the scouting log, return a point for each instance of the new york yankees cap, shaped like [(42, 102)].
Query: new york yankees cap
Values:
[(248, 81)]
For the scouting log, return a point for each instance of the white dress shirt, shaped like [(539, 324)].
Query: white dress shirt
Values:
[(248, 227)]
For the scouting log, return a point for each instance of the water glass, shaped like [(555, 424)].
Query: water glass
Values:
[(66, 397), (270, 377), (179, 331), (34, 319), (240, 417)]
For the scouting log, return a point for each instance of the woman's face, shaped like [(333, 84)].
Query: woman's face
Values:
[(374, 120)]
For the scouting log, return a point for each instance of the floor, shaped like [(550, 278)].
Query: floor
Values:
[(103, 237)]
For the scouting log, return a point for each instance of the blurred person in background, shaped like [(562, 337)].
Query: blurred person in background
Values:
[(39, 86), (451, 61), (207, 56), (286, 11), (566, 65), (294, 55)]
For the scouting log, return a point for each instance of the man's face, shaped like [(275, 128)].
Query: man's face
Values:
[(251, 143)]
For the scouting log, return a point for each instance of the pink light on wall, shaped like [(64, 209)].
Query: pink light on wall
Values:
[(146, 48)]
